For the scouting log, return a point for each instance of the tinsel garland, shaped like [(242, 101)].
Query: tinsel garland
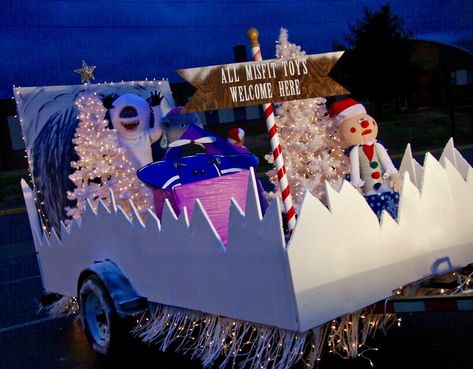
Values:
[(348, 334), (219, 341), (65, 306)]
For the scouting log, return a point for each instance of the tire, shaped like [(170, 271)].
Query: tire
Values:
[(104, 329)]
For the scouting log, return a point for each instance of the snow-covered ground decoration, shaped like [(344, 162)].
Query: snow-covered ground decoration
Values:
[(337, 261)]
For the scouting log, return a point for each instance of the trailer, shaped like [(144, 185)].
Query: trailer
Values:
[(257, 294), (116, 265)]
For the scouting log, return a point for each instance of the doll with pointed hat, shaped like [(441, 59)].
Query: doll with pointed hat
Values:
[(236, 136)]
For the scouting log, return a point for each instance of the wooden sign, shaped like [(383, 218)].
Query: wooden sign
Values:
[(259, 82)]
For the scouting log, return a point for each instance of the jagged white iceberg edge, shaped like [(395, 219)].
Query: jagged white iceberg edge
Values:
[(343, 259), (181, 262), (338, 260)]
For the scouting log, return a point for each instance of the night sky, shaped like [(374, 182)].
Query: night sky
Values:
[(43, 41)]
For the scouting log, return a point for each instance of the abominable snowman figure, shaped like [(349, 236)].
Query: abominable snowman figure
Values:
[(130, 115), (372, 171)]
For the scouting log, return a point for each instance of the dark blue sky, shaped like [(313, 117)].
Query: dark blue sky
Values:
[(43, 41)]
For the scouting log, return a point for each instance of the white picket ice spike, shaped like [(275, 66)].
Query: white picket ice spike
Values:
[(202, 230), (236, 218), (75, 224), (253, 206), (338, 259), (54, 239), (136, 215), (152, 219), (169, 215), (461, 164), (448, 152), (174, 231), (409, 201), (151, 234), (124, 214), (183, 217), (237, 206), (64, 229), (464, 200), (440, 215), (236, 209), (272, 224), (113, 201), (408, 165), (458, 161), (90, 206), (386, 220), (102, 208)]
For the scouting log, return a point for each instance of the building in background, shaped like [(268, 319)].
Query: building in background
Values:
[(445, 74)]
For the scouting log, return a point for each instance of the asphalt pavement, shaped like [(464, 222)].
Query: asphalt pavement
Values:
[(29, 340)]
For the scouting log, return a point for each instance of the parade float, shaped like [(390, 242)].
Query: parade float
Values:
[(189, 248)]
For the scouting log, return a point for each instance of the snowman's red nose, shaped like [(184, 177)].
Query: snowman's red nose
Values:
[(365, 124)]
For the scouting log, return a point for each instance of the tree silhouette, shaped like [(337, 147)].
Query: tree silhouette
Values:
[(376, 64)]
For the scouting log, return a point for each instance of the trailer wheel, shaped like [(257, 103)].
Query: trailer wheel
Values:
[(103, 327)]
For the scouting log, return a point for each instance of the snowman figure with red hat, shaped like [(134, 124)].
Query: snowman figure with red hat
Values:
[(372, 171)]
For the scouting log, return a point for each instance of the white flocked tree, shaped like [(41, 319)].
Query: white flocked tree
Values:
[(102, 165), (311, 150)]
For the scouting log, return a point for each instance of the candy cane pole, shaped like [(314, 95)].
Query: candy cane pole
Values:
[(274, 140)]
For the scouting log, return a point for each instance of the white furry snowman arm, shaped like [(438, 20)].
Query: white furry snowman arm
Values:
[(386, 162), (156, 132), (355, 178)]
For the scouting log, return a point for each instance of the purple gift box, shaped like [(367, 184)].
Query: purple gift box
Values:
[(215, 195)]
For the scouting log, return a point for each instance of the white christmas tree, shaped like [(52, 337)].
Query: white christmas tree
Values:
[(311, 150), (102, 164)]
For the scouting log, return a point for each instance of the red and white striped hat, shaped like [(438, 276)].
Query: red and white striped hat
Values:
[(344, 109), (236, 135)]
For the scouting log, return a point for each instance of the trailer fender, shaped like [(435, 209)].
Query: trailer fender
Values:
[(126, 299)]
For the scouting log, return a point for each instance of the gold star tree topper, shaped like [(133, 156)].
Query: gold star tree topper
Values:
[(86, 72)]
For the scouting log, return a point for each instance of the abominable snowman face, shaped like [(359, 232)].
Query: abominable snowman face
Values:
[(130, 116)]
